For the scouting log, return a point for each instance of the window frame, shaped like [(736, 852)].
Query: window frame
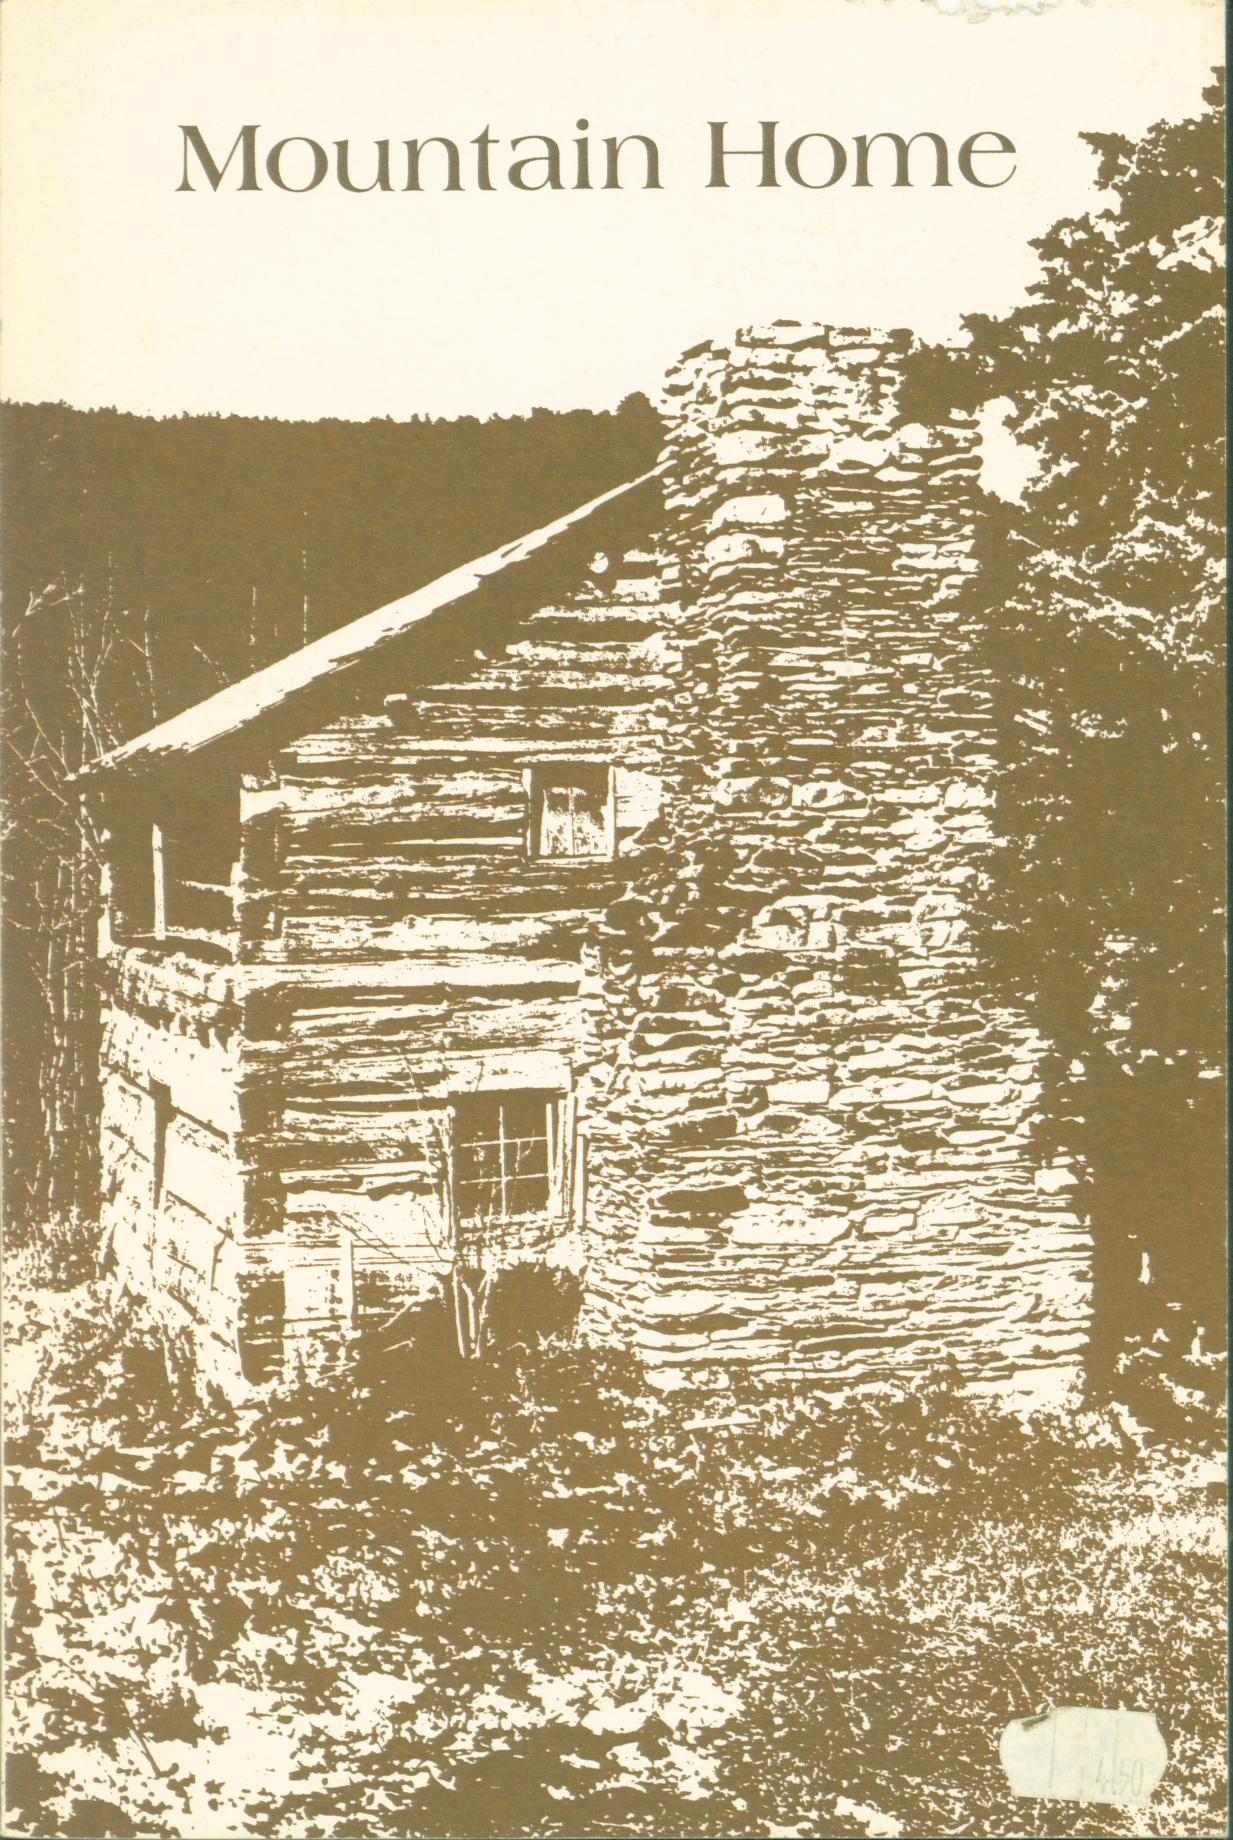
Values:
[(553, 1173), (149, 887), (171, 855), (538, 778)]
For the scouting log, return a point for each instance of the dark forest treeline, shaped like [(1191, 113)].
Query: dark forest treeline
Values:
[(242, 538), (144, 564)]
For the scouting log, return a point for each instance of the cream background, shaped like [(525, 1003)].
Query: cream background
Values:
[(121, 291)]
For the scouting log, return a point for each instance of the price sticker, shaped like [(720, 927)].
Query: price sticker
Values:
[(1085, 1754)]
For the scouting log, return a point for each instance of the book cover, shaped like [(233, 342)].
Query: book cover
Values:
[(613, 962)]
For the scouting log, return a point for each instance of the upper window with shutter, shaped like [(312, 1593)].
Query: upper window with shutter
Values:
[(573, 809)]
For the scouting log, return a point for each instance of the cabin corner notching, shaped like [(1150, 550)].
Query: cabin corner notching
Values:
[(592, 930)]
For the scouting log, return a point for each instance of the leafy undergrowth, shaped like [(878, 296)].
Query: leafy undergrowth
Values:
[(531, 1597)]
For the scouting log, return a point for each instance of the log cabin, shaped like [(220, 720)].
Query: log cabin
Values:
[(592, 936)]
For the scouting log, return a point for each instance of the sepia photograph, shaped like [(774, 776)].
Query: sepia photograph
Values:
[(613, 985)]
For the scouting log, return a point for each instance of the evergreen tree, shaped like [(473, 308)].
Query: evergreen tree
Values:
[(1106, 632)]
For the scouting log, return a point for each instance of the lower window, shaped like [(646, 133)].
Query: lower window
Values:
[(504, 1155)]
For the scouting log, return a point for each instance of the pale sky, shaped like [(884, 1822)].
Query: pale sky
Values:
[(120, 291)]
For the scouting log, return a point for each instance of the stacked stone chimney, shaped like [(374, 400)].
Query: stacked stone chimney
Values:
[(813, 1140)]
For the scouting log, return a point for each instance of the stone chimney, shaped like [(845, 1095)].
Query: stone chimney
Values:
[(813, 1139)]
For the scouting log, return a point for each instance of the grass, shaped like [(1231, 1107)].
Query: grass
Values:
[(530, 1597)]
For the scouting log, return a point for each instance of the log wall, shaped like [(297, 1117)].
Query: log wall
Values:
[(173, 1215), (404, 947)]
